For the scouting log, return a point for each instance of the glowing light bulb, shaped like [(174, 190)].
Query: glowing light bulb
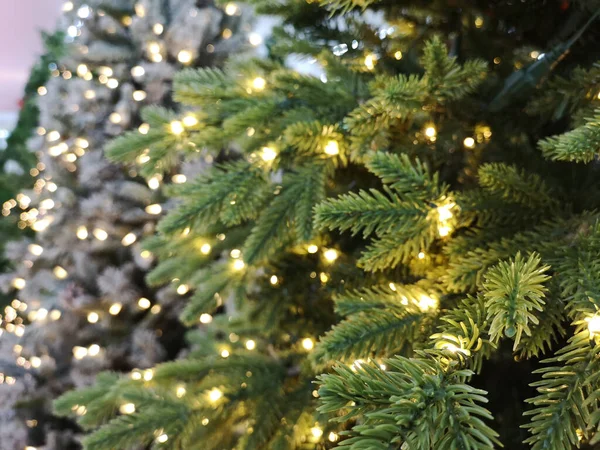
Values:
[(185, 56), (235, 253), (82, 232), (308, 344), (190, 121), (370, 61), (183, 289), (140, 10), (444, 212), (177, 127), (250, 344), (55, 314), (100, 234), (330, 255), (444, 231), (35, 361), (112, 83), (84, 12), (268, 154), (180, 392), (469, 142), (90, 94), (179, 178), (35, 249), (205, 249), (316, 431), (115, 309), (42, 90), (144, 303), (158, 28), (93, 317), (215, 394), (259, 83), (127, 408), (392, 287), (67, 6), (312, 248), (60, 273), (255, 39), (19, 283), (274, 280), (594, 325), (128, 239), (332, 148), (53, 136), (231, 9), (421, 255), (80, 352), (430, 131), (398, 55), (94, 350), (238, 265), (154, 209), (138, 71), (224, 354), (206, 318), (148, 374), (426, 303), (139, 96), (115, 118), (333, 437)]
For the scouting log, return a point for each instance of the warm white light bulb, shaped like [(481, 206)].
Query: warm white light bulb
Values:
[(127, 408), (206, 318), (594, 325), (154, 209), (185, 56), (93, 317), (144, 303), (259, 83), (430, 132), (215, 394), (115, 309), (35, 249), (331, 255), (82, 232), (312, 248), (128, 239), (205, 249), (268, 154), (332, 148), (60, 272), (100, 234), (469, 142), (250, 344), (238, 264), (177, 127), (308, 344)]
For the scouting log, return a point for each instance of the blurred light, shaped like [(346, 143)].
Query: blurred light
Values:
[(115, 309), (128, 239), (93, 317), (250, 344), (144, 303)]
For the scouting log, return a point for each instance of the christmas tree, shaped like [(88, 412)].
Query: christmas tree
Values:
[(397, 253), (80, 304)]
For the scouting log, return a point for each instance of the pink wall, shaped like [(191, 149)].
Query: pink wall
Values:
[(20, 43)]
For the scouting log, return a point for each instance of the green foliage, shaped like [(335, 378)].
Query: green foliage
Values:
[(514, 293), (578, 145), (398, 404)]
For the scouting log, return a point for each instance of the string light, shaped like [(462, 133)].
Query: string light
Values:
[(238, 264), (274, 280), (215, 395), (398, 55), (259, 83), (94, 350), (426, 303), (158, 28), (60, 272), (370, 61), (127, 408), (53, 136), (250, 344), (190, 121), (231, 9), (128, 239), (55, 314), (235, 253), (115, 309), (185, 56), (430, 132), (90, 94), (312, 249), (154, 209), (148, 374), (206, 318), (80, 352), (333, 437), (93, 317), (594, 325), (67, 6), (115, 118), (469, 142), (82, 232), (421, 255), (144, 303), (308, 344), (205, 249), (268, 154), (224, 354), (35, 249), (255, 39), (444, 212), (42, 90), (112, 83), (316, 431), (137, 71), (479, 22), (179, 178), (180, 392), (100, 234), (183, 289), (140, 10), (332, 148), (19, 283), (177, 127), (139, 96), (330, 255)]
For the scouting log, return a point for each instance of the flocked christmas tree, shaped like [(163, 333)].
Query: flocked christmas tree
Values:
[(81, 304), (415, 229)]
